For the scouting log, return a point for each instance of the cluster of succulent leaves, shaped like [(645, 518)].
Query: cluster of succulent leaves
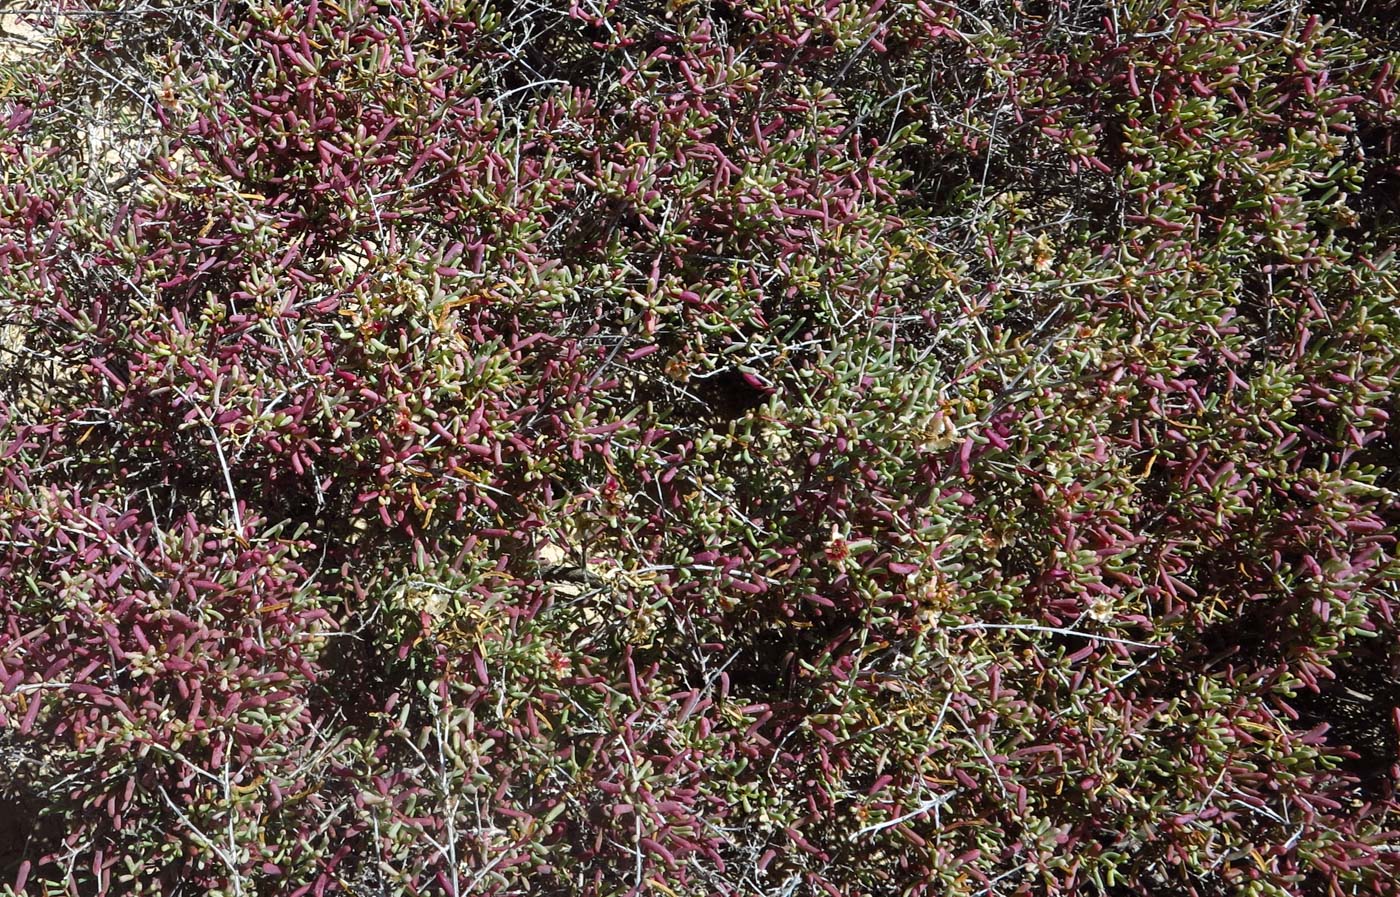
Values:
[(700, 447)]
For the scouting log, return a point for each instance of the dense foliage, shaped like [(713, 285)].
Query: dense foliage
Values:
[(700, 447)]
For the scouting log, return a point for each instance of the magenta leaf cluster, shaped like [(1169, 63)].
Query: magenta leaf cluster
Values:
[(699, 447)]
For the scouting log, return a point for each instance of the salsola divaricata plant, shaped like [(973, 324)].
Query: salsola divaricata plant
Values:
[(699, 447)]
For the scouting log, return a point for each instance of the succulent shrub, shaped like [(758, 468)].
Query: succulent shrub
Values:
[(699, 447)]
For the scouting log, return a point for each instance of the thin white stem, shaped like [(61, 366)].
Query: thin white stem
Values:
[(1054, 630)]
